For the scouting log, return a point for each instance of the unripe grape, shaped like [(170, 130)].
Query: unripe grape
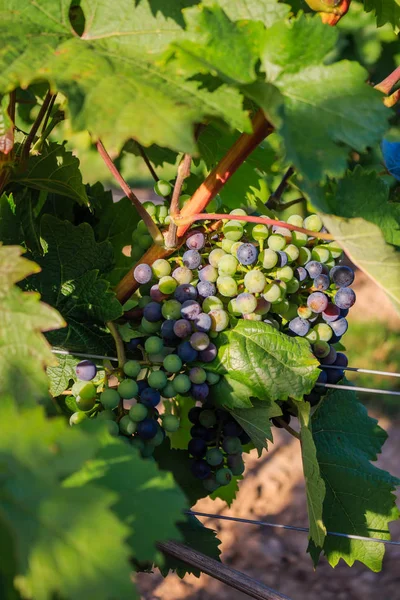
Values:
[(276, 242), (313, 223), (227, 265), (227, 286), (268, 258), (215, 256), (223, 476), (132, 368), (171, 309), (110, 398), (167, 285), (150, 327), (170, 423), (219, 319), (161, 268), (255, 281), (181, 384), (172, 363), (233, 230), (214, 457), (163, 188), (138, 412), (207, 418), (212, 303), (182, 275), (157, 380), (246, 303), (77, 418), (260, 232), (127, 389), (127, 426), (153, 345)]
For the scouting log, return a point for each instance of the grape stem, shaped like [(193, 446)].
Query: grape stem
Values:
[(34, 129), (250, 219), (275, 198), (183, 173), (119, 344), (387, 84), (147, 161), (289, 429), (144, 215)]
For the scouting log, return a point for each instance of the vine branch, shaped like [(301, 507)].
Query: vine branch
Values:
[(119, 344), (183, 173), (274, 198), (289, 429), (147, 161), (151, 226), (35, 127)]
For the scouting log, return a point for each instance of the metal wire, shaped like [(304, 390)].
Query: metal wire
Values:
[(83, 355), (291, 527), (354, 388), (358, 370)]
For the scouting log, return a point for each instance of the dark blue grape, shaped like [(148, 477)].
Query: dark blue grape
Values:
[(196, 241), (345, 297), (199, 431), (200, 469), (142, 385), (190, 309), (317, 301), (203, 322), (197, 447), (200, 391), (143, 273), (342, 276), (335, 339), (152, 312), (300, 273), (314, 398), (150, 396), (212, 433), (299, 326), (344, 312), (247, 254), (134, 343), (186, 353), (334, 375), (167, 331), (184, 292), (244, 438), (85, 370), (331, 313), (322, 377), (147, 429), (194, 414), (314, 268), (232, 429), (182, 328), (282, 258), (191, 259), (339, 327), (321, 283), (209, 353), (330, 359), (341, 360), (206, 289)]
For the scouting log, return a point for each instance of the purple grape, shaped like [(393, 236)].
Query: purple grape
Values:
[(199, 431), (186, 353), (200, 391), (282, 258), (203, 322), (342, 276), (152, 312), (314, 268), (339, 327), (182, 328), (86, 370), (330, 359), (143, 273), (190, 309), (299, 326), (341, 360), (147, 429), (208, 273), (321, 283), (345, 297), (322, 377), (199, 341), (184, 292), (156, 295), (314, 398), (196, 241), (317, 301), (167, 331), (134, 343), (232, 429), (150, 397), (331, 313), (206, 288), (334, 375), (209, 353), (301, 274), (247, 254), (194, 414), (200, 469), (191, 259), (197, 447), (344, 312)]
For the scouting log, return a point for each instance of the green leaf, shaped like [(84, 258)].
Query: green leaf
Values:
[(359, 496), (182, 437), (228, 493), (198, 537), (328, 109), (366, 247), (386, 11), (266, 11), (256, 421), (10, 227), (55, 170), (24, 351), (55, 529), (61, 374), (315, 486), (258, 361)]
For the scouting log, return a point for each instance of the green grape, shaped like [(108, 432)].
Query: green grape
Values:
[(172, 363), (238, 211), (143, 301), (246, 303), (210, 484), (161, 213), (84, 389), (141, 228), (181, 384), (284, 232), (150, 327), (128, 388), (158, 358), (215, 256), (132, 368), (285, 273), (236, 464), (273, 292), (163, 188), (260, 232), (293, 286), (223, 476), (113, 428), (77, 418), (153, 345), (330, 263), (235, 247), (273, 323), (268, 258), (311, 336), (335, 250), (110, 398), (107, 415), (233, 230), (145, 241), (138, 412), (299, 239), (197, 375), (85, 404), (219, 320), (171, 309), (276, 242), (150, 208), (182, 275), (232, 308), (170, 423), (304, 256), (226, 244), (212, 303), (232, 445), (214, 205), (282, 307), (157, 440), (321, 349), (168, 391), (227, 286), (291, 313), (138, 443), (296, 220), (161, 268), (253, 317), (183, 199), (207, 418), (212, 378), (127, 426), (157, 380), (136, 251), (313, 223), (320, 253), (304, 312), (323, 331), (227, 265), (292, 252), (214, 457), (167, 285), (255, 281)]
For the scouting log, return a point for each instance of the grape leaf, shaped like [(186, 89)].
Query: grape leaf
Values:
[(24, 351), (55, 529), (328, 109), (315, 486), (266, 11), (198, 537), (366, 247), (149, 501), (258, 361), (55, 170), (181, 438), (228, 493), (10, 227), (61, 374), (113, 68), (386, 11), (359, 497), (256, 421)]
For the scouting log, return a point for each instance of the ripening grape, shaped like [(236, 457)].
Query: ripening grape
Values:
[(155, 293), (314, 268), (161, 268), (321, 349), (331, 313), (227, 265), (276, 242), (85, 370), (339, 326), (182, 275), (206, 289), (317, 301), (200, 469), (227, 286), (246, 303), (214, 457), (200, 391), (186, 352), (172, 363), (196, 241), (255, 281), (330, 358), (191, 259), (208, 273), (282, 258), (263, 306), (143, 273), (197, 375), (185, 292), (299, 326), (219, 319), (138, 412), (301, 274), (321, 283), (190, 309), (203, 322), (167, 332), (197, 447), (152, 312), (233, 230), (199, 341)]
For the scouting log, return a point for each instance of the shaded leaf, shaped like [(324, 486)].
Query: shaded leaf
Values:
[(256, 421)]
